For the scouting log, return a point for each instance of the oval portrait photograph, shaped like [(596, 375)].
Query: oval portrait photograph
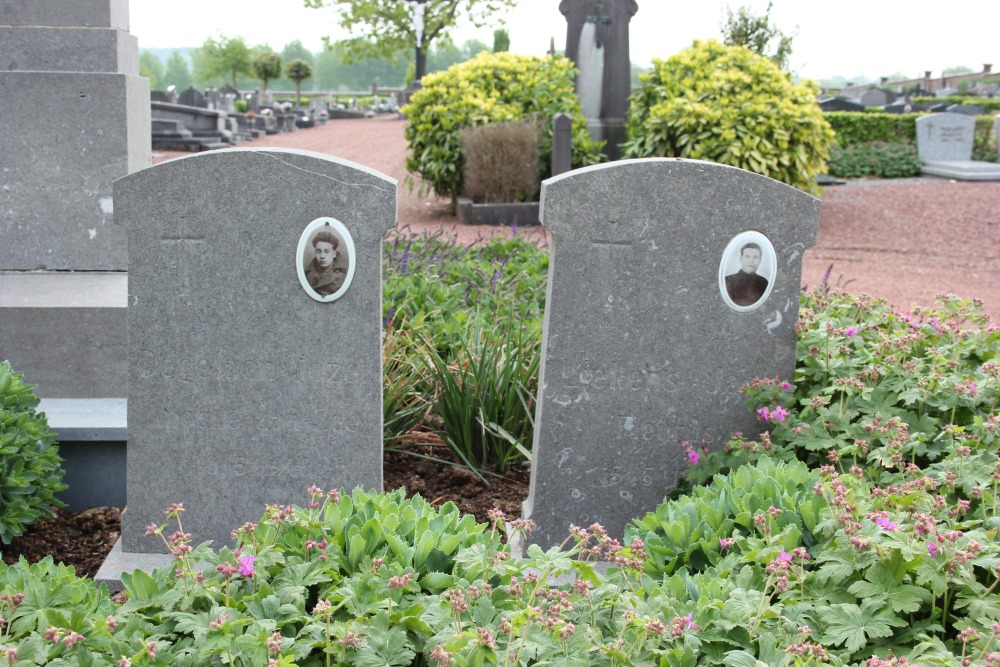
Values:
[(325, 259), (747, 271)]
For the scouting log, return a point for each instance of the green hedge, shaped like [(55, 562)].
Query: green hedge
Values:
[(988, 103), (861, 128)]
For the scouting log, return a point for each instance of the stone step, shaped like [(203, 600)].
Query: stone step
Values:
[(67, 332)]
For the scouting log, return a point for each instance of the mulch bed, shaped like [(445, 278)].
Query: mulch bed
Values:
[(83, 539)]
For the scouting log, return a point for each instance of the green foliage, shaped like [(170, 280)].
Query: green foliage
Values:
[(178, 73), (294, 50), (486, 396), (267, 66), (151, 68), (30, 471), (222, 58), (501, 40), (298, 71), (332, 72), (241, 106), (876, 159), (499, 87), (862, 128), (686, 532), (757, 34), (729, 105), (990, 104), (381, 28)]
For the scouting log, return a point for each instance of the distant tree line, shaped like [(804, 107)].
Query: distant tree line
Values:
[(222, 60)]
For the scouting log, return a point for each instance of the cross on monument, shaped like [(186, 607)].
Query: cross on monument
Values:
[(600, 20), (186, 239)]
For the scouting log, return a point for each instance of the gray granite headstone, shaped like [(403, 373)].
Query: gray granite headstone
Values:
[(643, 347), (192, 98), (875, 97), (945, 137), (243, 388)]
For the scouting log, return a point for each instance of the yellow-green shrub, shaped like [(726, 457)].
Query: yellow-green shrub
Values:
[(729, 105), (492, 87)]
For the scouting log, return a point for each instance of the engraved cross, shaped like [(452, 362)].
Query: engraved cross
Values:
[(601, 20), (611, 244), (183, 237)]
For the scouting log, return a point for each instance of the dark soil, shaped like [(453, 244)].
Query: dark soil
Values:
[(83, 539)]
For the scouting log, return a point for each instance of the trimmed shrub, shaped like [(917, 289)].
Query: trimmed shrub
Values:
[(862, 128), (879, 159), (729, 105), (988, 103), (30, 471), (490, 88), (501, 162)]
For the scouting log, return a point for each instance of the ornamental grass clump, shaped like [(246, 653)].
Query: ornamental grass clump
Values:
[(31, 473), (730, 105)]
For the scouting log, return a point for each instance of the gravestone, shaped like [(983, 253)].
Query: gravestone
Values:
[(643, 344), (244, 389), (876, 97), (192, 98), (597, 41), (945, 137)]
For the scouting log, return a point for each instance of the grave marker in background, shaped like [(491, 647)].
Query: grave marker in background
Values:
[(243, 389), (944, 144), (642, 347)]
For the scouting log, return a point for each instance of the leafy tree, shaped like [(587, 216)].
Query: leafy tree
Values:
[(178, 72), (333, 73), (151, 68), (267, 66), (224, 58), (446, 54), (744, 28), (298, 71), (501, 40), (957, 69), (294, 50), (381, 28)]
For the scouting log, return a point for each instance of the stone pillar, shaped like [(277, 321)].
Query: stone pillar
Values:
[(562, 143), (609, 23), (75, 117)]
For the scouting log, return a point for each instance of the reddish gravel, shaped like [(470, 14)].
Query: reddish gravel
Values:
[(905, 240)]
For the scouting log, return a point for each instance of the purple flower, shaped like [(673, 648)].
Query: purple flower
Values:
[(726, 542), (785, 557), (786, 386), (763, 414), (885, 523), (779, 414), (693, 457), (932, 548), (246, 566), (851, 332)]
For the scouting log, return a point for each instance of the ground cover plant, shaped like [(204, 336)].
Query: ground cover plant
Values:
[(858, 528), (876, 159)]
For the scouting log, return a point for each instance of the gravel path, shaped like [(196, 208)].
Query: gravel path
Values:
[(905, 240)]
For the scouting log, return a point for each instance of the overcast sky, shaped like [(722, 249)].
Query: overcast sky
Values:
[(846, 37)]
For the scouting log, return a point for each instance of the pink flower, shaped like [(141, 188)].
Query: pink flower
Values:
[(764, 414), (246, 566), (851, 332), (726, 542), (779, 414), (693, 457), (785, 557), (786, 386), (932, 548), (885, 523)]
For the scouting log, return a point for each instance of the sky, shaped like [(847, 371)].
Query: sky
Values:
[(850, 38)]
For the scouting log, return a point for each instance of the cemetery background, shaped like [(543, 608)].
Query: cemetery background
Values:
[(903, 240)]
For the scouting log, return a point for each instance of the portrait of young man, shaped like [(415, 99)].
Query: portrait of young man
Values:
[(324, 273), (746, 286)]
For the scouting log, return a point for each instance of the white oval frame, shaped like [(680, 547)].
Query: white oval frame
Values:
[(300, 257), (730, 264)]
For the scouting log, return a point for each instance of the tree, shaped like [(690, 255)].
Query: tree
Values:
[(178, 73), (757, 34), (222, 58), (380, 28), (298, 71), (267, 66), (957, 69), (501, 40), (151, 68), (294, 50)]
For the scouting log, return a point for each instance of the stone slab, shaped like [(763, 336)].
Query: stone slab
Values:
[(963, 170), (95, 474), (945, 137), (66, 137), (522, 214), (643, 347), (87, 420), (256, 389), (119, 561), (67, 332), (68, 50), (83, 13)]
